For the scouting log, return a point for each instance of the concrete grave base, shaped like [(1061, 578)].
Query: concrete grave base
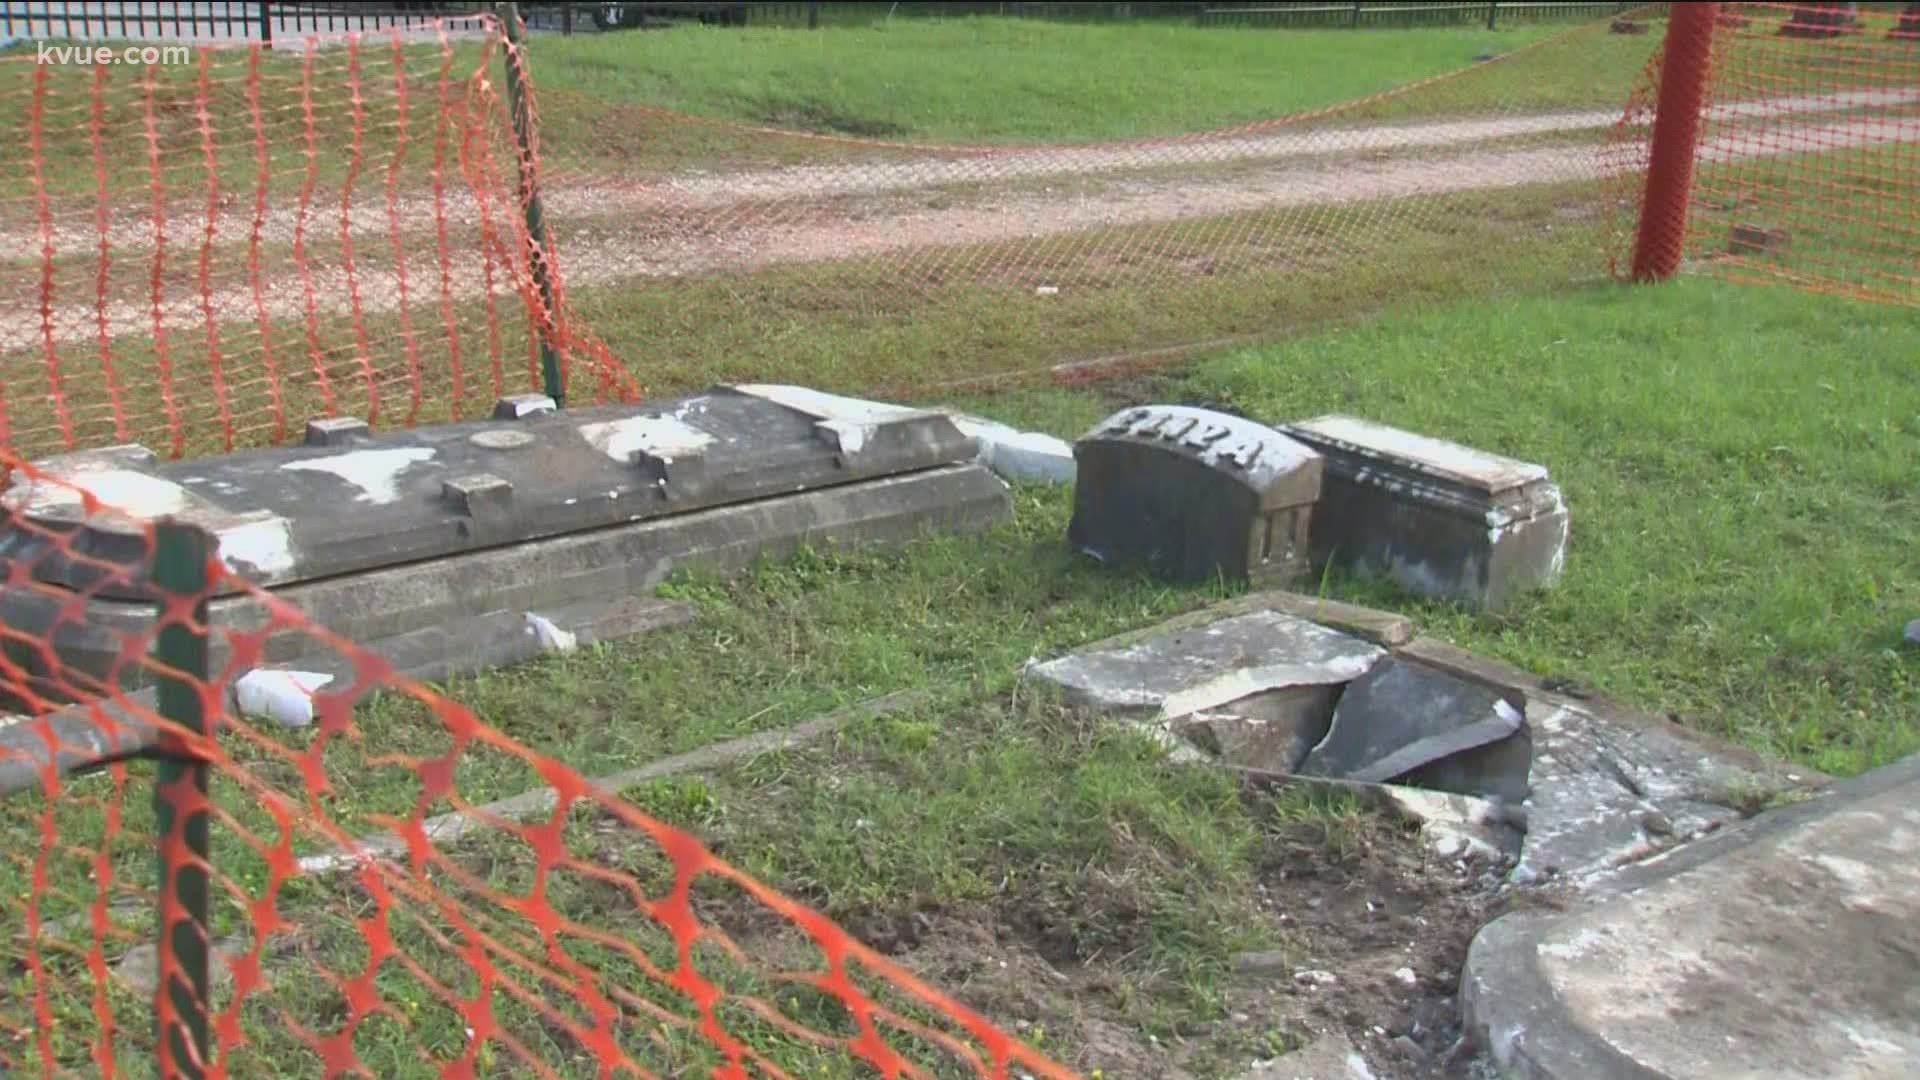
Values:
[(1784, 946), (467, 602)]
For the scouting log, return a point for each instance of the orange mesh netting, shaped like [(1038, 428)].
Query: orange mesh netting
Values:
[(931, 264), (1828, 203), (368, 915), (204, 253)]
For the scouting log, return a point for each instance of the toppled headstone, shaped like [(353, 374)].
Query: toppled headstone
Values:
[(1403, 715), (1256, 687), (1913, 632), (1435, 517), (1193, 494)]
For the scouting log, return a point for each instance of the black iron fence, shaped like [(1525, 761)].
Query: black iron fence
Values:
[(1395, 15), (1265, 13), (257, 20), (218, 20)]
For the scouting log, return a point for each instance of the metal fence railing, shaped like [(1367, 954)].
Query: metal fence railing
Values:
[(233, 21), (1255, 13)]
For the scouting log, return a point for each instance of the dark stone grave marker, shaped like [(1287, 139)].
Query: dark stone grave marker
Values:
[(1192, 493)]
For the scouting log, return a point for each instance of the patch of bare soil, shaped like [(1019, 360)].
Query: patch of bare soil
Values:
[(1374, 934)]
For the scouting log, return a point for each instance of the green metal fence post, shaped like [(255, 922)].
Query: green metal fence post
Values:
[(539, 241), (1493, 13), (180, 807), (1353, 20)]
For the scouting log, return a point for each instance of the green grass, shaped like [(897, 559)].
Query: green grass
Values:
[(1739, 465), (926, 79), (1080, 842), (999, 80)]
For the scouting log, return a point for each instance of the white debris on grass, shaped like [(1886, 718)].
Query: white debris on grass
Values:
[(552, 638), (285, 697)]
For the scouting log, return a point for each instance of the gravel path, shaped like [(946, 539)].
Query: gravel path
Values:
[(690, 224)]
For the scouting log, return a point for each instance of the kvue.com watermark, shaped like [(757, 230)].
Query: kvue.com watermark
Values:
[(105, 54)]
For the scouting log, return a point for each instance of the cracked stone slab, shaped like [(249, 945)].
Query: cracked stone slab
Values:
[(1783, 946), (1611, 786), (1607, 795), (1403, 715), (1192, 669)]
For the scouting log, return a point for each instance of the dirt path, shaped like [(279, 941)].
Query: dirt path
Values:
[(774, 193), (678, 229)]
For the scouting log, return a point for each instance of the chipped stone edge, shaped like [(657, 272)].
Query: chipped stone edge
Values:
[(1383, 628), (1523, 1039)]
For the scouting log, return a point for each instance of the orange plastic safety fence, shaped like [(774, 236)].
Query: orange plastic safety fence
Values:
[(203, 255), (1807, 166), (912, 265), (372, 912)]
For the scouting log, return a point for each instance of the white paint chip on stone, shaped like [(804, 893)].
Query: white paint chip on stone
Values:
[(262, 549), (665, 435), (375, 472), (138, 495)]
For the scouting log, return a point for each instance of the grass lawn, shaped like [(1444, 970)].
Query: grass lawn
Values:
[(1738, 464), (997, 80)]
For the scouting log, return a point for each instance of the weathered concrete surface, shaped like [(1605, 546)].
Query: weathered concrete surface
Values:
[(1436, 517), (1194, 494), (302, 513), (1785, 946), (1402, 715), (452, 600), (1177, 672)]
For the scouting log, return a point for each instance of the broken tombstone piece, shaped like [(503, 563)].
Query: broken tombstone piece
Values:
[(1435, 517), (1257, 689), (1402, 716), (1193, 494)]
